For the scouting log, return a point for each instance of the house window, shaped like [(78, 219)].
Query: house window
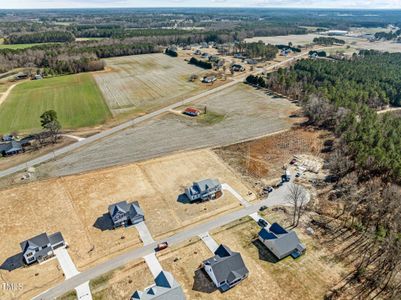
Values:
[(223, 282), (31, 259), (29, 254)]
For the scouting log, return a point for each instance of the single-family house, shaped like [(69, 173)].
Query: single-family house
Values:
[(251, 61), (41, 247), (206, 189), (165, 288), (125, 214), (197, 52), (205, 55), (7, 138), (281, 242), (21, 75), (11, 148), (226, 268), (193, 112)]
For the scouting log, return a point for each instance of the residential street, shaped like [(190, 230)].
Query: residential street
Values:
[(277, 197)]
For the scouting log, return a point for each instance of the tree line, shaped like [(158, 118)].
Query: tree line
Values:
[(328, 41), (364, 159), (256, 50), (40, 37)]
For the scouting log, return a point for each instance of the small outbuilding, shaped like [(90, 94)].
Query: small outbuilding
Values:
[(190, 111), (226, 268), (126, 214), (281, 242)]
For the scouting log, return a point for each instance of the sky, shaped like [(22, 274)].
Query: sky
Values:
[(366, 4)]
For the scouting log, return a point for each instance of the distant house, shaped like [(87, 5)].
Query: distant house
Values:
[(251, 61), (193, 112), (37, 77), (226, 268), (41, 247), (187, 47), (209, 79), (281, 242), (197, 52), (165, 288), (11, 148), (21, 75), (237, 68), (205, 55), (203, 190), (126, 214)]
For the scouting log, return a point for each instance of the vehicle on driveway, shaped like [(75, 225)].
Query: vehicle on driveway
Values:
[(262, 223), (161, 246), (267, 189), (262, 208)]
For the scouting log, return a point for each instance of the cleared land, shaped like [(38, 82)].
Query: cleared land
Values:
[(141, 83), (248, 113), (76, 99), (76, 205), (306, 39)]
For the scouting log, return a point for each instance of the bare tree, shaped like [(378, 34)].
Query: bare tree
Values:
[(297, 197)]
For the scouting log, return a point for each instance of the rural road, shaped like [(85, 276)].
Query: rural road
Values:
[(4, 96), (113, 130), (277, 197), (130, 123)]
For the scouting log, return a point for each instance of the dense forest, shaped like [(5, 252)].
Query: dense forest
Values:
[(328, 41), (364, 159), (40, 37), (256, 50), (74, 57)]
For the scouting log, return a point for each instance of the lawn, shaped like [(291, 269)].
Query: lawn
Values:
[(76, 99)]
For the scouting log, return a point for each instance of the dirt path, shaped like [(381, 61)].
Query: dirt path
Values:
[(384, 110), (4, 95)]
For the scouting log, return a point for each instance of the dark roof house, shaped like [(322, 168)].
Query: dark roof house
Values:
[(165, 288), (41, 247), (125, 214), (10, 148), (281, 242), (226, 268)]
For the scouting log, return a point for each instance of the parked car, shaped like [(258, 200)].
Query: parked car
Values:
[(298, 175), (262, 208), (161, 246), (293, 161), (262, 223), (268, 189)]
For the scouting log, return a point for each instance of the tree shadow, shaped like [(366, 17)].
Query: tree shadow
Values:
[(202, 282), (104, 223), (182, 198), (12, 263), (264, 253)]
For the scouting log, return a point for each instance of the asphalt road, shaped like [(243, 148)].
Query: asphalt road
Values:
[(277, 197)]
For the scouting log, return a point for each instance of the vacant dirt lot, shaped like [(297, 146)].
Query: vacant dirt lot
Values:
[(141, 83), (263, 159), (306, 39), (76, 205), (248, 114)]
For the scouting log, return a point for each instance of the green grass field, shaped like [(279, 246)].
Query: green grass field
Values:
[(76, 99)]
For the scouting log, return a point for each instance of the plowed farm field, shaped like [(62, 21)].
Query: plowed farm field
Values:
[(142, 83)]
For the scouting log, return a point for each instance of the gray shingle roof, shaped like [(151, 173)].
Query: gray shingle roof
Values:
[(227, 265), (37, 241), (165, 288)]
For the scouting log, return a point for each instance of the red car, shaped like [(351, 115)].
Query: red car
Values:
[(161, 246)]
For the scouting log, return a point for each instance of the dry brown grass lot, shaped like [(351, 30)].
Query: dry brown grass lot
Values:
[(308, 277), (73, 205)]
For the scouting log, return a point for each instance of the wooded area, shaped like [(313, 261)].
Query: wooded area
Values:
[(365, 158)]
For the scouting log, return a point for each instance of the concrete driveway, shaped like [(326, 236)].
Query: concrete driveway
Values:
[(153, 264), (144, 233), (69, 269), (209, 241)]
